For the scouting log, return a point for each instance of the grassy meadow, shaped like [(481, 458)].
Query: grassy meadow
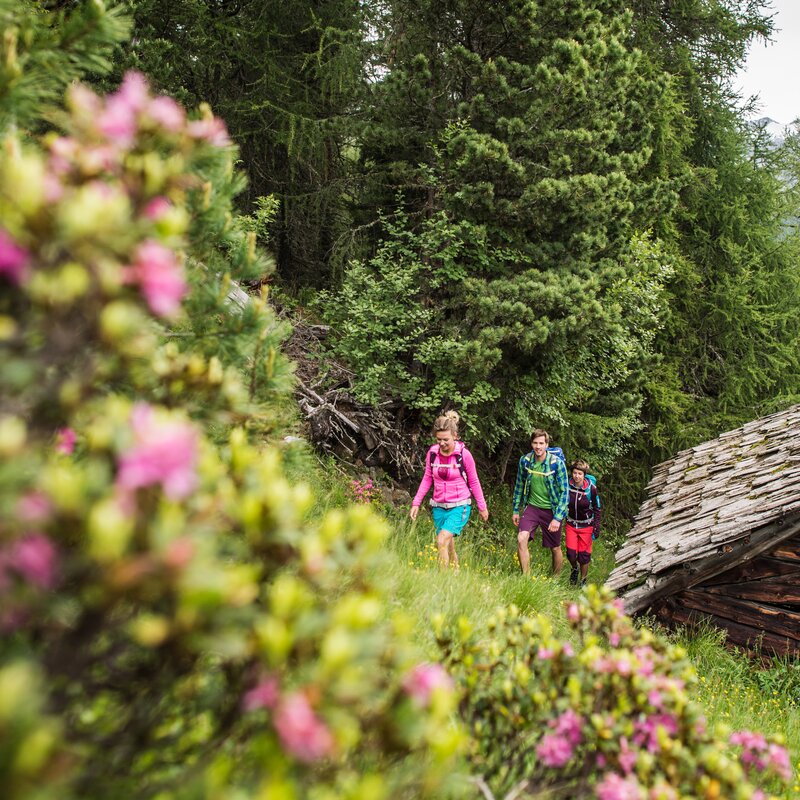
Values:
[(735, 690)]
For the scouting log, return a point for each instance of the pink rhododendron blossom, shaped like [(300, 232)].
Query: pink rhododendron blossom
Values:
[(156, 208), (53, 188), (421, 682), (573, 612), (614, 639), (645, 656), (159, 274), (211, 129), (65, 441), (623, 666), (554, 750), (34, 558), (33, 507), (778, 761), (164, 452), (646, 731), (165, 112), (627, 757), (615, 787), (544, 653), (264, 695), (655, 699), (301, 732), (749, 740), (133, 91), (63, 150), (14, 259), (118, 120), (117, 123), (567, 650), (570, 726)]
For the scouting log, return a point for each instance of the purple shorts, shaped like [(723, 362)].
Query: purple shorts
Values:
[(534, 517)]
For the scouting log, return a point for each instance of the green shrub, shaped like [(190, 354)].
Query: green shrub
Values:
[(607, 716)]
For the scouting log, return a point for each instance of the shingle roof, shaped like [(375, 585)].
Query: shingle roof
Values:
[(707, 498)]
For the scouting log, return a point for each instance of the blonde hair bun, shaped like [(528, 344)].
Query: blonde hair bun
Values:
[(447, 422)]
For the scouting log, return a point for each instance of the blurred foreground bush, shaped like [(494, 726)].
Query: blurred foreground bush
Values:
[(170, 625)]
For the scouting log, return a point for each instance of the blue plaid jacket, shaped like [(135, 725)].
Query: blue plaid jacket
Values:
[(556, 481)]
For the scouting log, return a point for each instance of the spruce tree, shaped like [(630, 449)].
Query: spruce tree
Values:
[(287, 81), (523, 131)]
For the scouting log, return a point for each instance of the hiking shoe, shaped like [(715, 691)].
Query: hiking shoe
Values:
[(583, 583), (573, 577)]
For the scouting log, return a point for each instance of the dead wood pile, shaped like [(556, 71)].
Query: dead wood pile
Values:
[(355, 432)]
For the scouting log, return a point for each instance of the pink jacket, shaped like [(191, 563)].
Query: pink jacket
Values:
[(448, 484)]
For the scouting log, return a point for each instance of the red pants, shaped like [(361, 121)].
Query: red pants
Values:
[(579, 543)]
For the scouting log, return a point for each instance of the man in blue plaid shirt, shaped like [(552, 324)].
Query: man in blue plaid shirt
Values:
[(542, 489)]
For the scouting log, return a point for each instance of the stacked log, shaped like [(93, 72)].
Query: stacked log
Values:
[(757, 603)]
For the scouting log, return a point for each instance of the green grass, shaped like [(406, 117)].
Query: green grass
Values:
[(734, 690)]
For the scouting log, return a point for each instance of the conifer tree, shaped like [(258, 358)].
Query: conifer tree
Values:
[(286, 80), (523, 132)]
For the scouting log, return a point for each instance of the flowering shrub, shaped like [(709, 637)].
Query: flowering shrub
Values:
[(607, 718), (171, 626), (363, 491)]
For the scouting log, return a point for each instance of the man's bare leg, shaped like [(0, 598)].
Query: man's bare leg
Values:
[(558, 559), (522, 551)]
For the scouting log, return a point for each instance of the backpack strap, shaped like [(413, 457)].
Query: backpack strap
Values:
[(434, 451)]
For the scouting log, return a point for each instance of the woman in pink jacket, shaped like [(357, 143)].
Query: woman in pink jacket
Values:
[(451, 469)]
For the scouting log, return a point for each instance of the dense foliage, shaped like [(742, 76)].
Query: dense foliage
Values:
[(172, 625), (541, 213), (607, 718)]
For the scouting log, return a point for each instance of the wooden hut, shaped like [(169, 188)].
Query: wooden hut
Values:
[(718, 537)]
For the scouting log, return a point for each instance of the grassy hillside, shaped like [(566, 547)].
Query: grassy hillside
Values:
[(733, 690)]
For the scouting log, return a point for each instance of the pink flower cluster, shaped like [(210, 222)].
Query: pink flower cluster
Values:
[(14, 259), (363, 491), (159, 274), (300, 730), (132, 110), (33, 558), (615, 787), (164, 452), (423, 680), (65, 441), (556, 749), (762, 756)]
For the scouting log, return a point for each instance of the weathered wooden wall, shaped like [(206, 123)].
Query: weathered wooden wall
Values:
[(757, 602)]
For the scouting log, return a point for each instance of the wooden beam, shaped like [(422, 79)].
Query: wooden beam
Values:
[(762, 591), (758, 569), (761, 540), (741, 635), (777, 620)]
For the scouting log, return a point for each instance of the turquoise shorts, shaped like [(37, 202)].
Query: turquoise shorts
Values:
[(451, 519)]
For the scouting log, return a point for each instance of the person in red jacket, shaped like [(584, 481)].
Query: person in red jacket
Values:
[(450, 467), (583, 521)]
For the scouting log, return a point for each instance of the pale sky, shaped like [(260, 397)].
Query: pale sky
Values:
[(773, 70)]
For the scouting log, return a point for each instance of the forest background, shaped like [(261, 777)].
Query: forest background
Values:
[(551, 215), (541, 214)]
